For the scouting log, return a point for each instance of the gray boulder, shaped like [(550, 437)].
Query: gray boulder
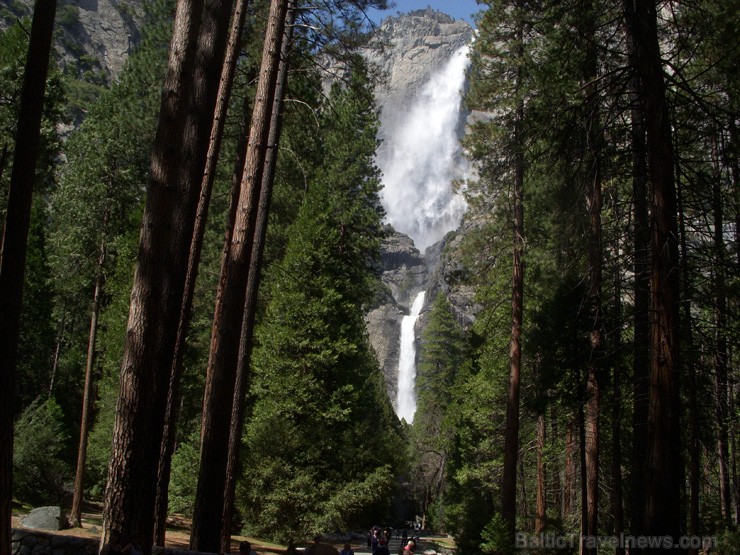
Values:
[(45, 518)]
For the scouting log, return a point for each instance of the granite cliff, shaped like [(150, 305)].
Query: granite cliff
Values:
[(93, 36), (409, 49)]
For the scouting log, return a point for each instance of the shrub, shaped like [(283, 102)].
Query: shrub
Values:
[(38, 469)]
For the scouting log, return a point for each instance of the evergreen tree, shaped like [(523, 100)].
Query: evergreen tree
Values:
[(322, 424), (442, 354)]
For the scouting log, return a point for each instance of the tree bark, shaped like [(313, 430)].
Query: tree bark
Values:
[(695, 445), (570, 469), (15, 238), (541, 507), (511, 433), (221, 373), (617, 501), (720, 348), (244, 358), (214, 146), (76, 512), (663, 472), (592, 159), (178, 159), (641, 238)]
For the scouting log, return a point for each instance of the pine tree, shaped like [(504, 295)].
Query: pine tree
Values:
[(442, 353), (322, 425)]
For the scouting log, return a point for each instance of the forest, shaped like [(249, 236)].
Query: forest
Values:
[(189, 251)]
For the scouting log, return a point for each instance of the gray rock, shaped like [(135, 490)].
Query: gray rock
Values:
[(46, 518), (105, 31), (408, 49)]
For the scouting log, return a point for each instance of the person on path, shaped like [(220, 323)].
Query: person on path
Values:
[(382, 547)]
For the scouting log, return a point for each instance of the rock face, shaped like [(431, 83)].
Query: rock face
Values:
[(404, 273), (409, 49), (97, 34)]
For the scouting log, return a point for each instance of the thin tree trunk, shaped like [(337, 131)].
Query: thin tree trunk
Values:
[(733, 459), (695, 446), (584, 478), (662, 491), (15, 238), (570, 469), (556, 468), (640, 358), (617, 500), (57, 349), (178, 159), (224, 351), (253, 281), (511, 433), (87, 400), (720, 349), (594, 202), (541, 507), (214, 146)]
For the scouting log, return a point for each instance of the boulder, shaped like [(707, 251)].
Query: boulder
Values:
[(46, 518)]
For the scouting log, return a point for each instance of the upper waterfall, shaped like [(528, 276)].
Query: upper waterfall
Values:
[(421, 157)]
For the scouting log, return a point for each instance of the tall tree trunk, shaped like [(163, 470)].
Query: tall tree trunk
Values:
[(641, 238), (733, 459), (663, 471), (76, 513), (570, 468), (617, 501), (214, 146), (15, 238), (178, 160), (511, 433), (555, 469), (720, 348), (57, 348), (583, 476), (253, 281), (592, 159), (695, 445), (541, 508), (224, 351)]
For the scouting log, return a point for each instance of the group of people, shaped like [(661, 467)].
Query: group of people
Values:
[(378, 540)]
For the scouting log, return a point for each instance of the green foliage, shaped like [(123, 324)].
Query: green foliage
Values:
[(38, 469), (323, 431), (184, 474), (442, 354), (495, 537)]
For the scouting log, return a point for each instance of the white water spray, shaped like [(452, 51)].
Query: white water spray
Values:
[(422, 156), (406, 399)]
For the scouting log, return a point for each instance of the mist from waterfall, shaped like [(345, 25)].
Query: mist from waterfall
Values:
[(406, 397), (421, 156)]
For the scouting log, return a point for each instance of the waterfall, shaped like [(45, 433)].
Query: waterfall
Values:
[(421, 156), (406, 399)]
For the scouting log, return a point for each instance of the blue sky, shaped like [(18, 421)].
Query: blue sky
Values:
[(459, 9)]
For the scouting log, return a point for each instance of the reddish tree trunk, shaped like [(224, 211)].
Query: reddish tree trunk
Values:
[(663, 471), (178, 159), (720, 349), (253, 282), (76, 512), (541, 507), (641, 278), (214, 146), (224, 351), (15, 237)]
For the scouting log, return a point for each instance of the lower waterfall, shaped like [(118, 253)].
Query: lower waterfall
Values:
[(406, 399)]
